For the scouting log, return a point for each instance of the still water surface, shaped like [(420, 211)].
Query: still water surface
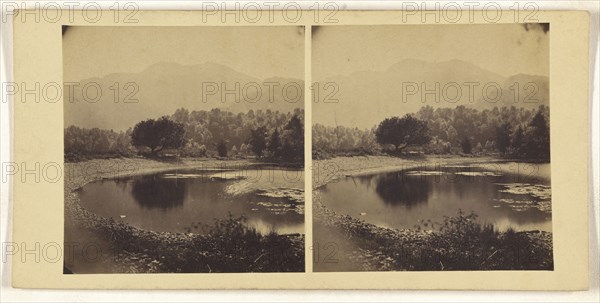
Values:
[(189, 200), (515, 195)]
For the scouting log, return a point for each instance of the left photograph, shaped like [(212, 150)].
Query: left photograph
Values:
[(183, 149)]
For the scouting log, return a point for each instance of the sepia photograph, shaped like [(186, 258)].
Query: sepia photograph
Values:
[(183, 149), (303, 151), (433, 147)]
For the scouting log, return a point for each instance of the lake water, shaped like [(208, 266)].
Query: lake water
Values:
[(189, 200), (515, 195)]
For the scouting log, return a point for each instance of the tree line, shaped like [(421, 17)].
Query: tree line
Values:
[(508, 131), (269, 135), (272, 135)]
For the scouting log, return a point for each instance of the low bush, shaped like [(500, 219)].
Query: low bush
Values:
[(229, 245), (462, 243)]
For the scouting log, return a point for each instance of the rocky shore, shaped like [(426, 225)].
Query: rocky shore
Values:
[(125, 248), (366, 247)]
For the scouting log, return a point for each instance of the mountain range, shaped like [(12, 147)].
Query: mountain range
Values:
[(362, 99), (118, 101)]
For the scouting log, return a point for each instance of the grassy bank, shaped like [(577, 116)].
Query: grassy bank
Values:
[(459, 243), (229, 246)]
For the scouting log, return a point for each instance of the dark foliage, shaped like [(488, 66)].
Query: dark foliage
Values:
[(402, 132), (537, 138), (258, 140), (459, 242), (158, 134), (292, 147), (229, 246), (490, 132), (222, 148), (204, 129), (285, 147), (466, 145), (503, 132), (274, 145), (245, 134)]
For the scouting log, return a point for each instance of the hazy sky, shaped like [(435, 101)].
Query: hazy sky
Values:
[(261, 52), (506, 49), (368, 65)]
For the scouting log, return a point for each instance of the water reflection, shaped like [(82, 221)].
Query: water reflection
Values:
[(155, 192), (189, 200), (398, 189), (402, 199)]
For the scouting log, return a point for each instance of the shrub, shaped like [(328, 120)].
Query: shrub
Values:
[(229, 245), (462, 243)]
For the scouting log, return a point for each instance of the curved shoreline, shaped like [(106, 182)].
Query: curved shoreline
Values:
[(382, 236), (78, 175), (132, 242)]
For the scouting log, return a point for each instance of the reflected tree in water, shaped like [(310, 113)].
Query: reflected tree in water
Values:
[(365, 180), (157, 192), (398, 189)]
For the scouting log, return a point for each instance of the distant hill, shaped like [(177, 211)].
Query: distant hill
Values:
[(367, 97), (164, 87), (532, 91)]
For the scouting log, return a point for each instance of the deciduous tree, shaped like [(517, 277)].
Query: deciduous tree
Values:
[(402, 132)]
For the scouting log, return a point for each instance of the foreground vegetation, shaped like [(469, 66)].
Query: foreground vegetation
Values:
[(228, 245), (460, 242)]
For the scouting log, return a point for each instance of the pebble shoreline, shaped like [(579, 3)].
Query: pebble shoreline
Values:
[(76, 216), (365, 165)]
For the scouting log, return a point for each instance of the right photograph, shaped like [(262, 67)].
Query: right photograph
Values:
[(431, 148)]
